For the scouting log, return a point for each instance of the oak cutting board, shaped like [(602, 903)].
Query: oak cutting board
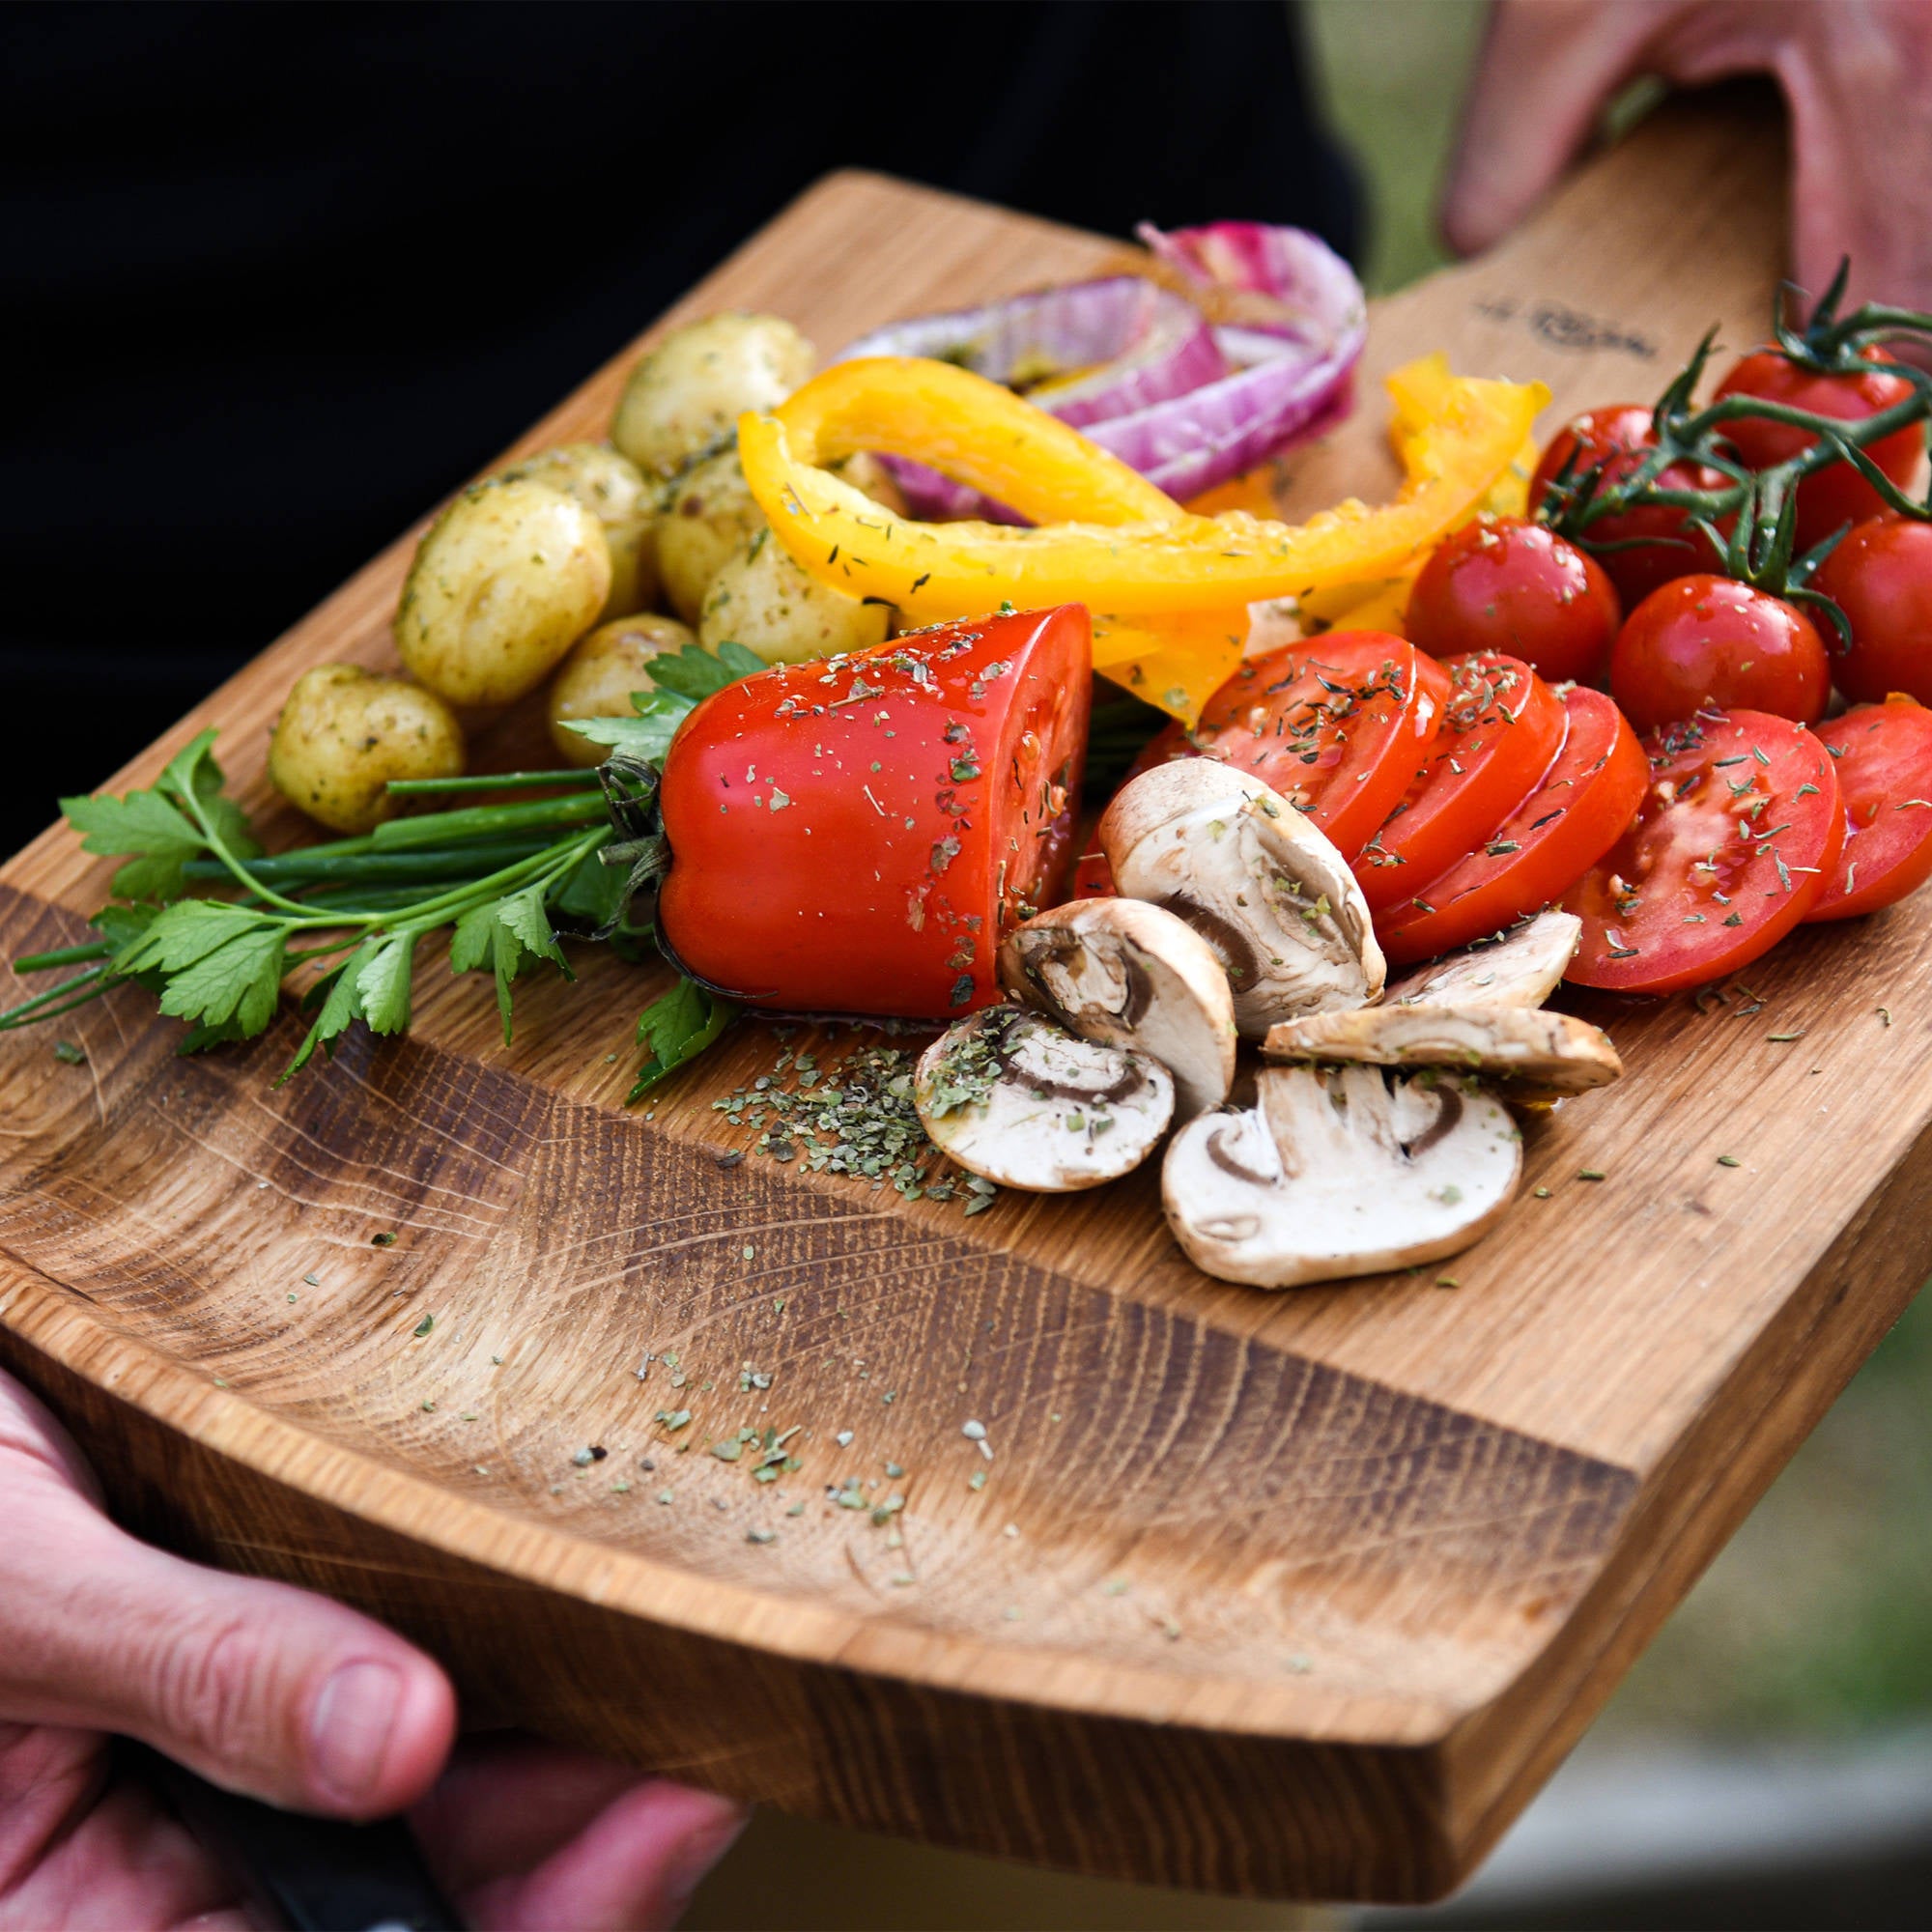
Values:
[(1299, 1595)]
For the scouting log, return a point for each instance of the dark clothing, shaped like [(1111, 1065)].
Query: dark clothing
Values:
[(277, 277)]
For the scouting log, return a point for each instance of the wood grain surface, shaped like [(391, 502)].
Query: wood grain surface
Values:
[(1299, 1595)]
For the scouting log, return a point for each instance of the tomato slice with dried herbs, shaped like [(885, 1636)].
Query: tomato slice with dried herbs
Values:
[(856, 836), (1499, 733), (1883, 755), (1335, 723), (1739, 826), (1586, 799)]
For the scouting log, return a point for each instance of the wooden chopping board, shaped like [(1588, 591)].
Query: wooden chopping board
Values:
[(1293, 1595)]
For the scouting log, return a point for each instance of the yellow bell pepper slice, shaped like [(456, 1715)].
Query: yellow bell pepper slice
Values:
[(975, 431), (1098, 540), (1418, 389)]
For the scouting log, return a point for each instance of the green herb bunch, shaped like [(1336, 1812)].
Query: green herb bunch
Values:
[(214, 927)]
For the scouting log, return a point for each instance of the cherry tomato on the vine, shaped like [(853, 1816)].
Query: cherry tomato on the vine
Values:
[(1836, 494), (1502, 584), (1617, 436), (1883, 758), (1881, 578), (1336, 723), (1586, 799), (1706, 642), (1738, 830), (858, 835), (1502, 731)]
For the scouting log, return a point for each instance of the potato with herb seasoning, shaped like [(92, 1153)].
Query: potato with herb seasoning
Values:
[(508, 578), (597, 678), (613, 489), (711, 515), (685, 396), (345, 732), (762, 600)]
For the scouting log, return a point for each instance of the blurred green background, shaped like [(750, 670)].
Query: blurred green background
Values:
[(1394, 72)]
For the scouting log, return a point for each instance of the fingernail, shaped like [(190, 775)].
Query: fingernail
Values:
[(348, 1729)]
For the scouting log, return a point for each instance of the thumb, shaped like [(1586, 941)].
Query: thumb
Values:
[(1545, 69), (260, 1688)]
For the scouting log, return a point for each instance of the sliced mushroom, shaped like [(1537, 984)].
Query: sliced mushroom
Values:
[(1264, 887), (1340, 1172), (1518, 968), (1018, 1099), (1543, 1056), (1129, 974)]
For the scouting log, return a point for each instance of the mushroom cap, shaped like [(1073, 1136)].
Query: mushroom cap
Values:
[(1013, 1097), (1542, 1055), (1338, 1172), (1133, 975), (1261, 885), (1521, 967)]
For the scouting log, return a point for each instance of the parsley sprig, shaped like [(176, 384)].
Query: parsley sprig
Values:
[(508, 882)]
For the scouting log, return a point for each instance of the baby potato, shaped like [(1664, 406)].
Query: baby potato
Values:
[(865, 471), (613, 489), (688, 394), (597, 678), (509, 577), (711, 514), (344, 733), (762, 600)]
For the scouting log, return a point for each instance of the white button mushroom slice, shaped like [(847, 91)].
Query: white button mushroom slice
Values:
[(1539, 1055), (1337, 1172), (1261, 884), (1521, 967), (1129, 974), (1013, 1097)]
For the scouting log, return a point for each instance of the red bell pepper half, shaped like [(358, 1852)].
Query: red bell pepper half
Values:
[(856, 836)]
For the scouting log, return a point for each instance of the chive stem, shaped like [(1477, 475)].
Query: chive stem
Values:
[(314, 863), (66, 955), (434, 828), (90, 984), (577, 776)]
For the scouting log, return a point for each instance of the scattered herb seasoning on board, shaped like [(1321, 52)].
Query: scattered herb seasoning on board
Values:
[(855, 1116)]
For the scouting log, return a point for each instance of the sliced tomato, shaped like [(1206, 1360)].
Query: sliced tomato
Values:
[(1501, 730), (1884, 757), (1335, 723), (1739, 826), (1579, 811)]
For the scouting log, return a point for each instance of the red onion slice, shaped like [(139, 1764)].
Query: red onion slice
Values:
[(1186, 403), (1088, 352)]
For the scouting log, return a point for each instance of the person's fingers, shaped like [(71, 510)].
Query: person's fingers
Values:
[(125, 1867), (631, 1868), (1861, 98), (505, 1803), (76, 1853), (261, 1687), (1545, 69)]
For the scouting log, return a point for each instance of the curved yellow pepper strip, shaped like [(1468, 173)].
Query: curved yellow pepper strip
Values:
[(1419, 390), (975, 431), (1160, 574), (1175, 663)]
